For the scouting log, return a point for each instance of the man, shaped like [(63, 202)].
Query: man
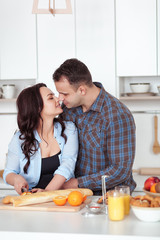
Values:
[(106, 129)]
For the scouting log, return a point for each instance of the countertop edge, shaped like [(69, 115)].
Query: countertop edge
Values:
[(68, 236)]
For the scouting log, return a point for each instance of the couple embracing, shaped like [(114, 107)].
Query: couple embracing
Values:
[(93, 135)]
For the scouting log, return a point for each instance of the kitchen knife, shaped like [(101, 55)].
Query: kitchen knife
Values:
[(23, 189)]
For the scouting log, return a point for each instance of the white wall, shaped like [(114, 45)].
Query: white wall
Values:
[(8, 125), (145, 140)]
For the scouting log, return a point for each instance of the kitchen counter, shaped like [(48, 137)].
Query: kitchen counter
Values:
[(36, 225), (3, 185)]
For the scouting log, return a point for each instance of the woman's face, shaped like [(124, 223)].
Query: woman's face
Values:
[(51, 106)]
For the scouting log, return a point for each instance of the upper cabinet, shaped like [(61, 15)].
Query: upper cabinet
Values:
[(18, 40), (136, 37), (56, 42), (87, 34), (158, 29), (95, 39)]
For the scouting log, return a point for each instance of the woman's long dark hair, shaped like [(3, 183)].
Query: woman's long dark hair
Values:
[(30, 105)]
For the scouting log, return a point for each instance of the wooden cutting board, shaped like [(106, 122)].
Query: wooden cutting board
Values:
[(45, 207)]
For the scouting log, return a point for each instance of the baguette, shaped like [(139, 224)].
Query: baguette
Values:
[(42, 197)]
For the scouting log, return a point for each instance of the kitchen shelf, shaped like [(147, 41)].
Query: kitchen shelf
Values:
[(8, 99), (139, 98)]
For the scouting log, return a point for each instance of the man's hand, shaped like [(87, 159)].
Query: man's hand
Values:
[(72, 183)]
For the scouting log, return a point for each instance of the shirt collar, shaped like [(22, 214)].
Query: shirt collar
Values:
[(37, 136), (55, 133), (98, 104)]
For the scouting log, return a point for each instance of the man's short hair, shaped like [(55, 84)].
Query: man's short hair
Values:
[(75, 71)]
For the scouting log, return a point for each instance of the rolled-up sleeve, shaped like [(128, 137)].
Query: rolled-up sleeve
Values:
[(69, 152)]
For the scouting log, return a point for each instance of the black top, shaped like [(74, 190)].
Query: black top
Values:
[(49, 166)]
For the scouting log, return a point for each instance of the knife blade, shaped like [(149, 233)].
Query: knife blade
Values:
[(23, 189)]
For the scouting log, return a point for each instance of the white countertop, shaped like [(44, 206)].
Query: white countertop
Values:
[(55, 225), (41, 225)]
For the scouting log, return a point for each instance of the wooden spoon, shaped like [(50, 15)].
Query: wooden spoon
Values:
[(156, 146)]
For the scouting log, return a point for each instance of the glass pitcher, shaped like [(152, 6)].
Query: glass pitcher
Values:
[(104, 193)]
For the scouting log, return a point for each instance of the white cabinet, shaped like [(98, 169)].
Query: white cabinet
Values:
[(18, 40), (95, 39), (136, 37), (56, 43), (87, 34), (158, 29)]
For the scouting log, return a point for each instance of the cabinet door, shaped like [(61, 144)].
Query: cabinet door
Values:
[(158, 29), (95, 39), (56, 43), (136, 37), (18, 40)]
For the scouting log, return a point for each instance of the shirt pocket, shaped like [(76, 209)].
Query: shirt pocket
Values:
[(92, 137)]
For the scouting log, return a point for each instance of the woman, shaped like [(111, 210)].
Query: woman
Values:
[(43, 153)]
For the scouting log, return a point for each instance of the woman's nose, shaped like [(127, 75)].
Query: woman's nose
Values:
[(60, 97), (56, 98)]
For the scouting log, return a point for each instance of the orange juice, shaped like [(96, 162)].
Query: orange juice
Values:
[(115, 207), (124, 191), (126, 204)]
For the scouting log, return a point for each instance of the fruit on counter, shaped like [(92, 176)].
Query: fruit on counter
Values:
[(60, 200), (157, 187), (75, 198), (149, 182), (84, 198), (152, 189)]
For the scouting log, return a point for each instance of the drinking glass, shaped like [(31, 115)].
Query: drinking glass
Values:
[(115, 205), (125, 192)]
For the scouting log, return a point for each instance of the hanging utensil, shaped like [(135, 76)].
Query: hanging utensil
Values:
[(156, 146)]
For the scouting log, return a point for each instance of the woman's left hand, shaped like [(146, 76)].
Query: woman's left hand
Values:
[(34, 190)]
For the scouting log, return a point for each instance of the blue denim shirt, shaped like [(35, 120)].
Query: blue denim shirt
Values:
[(16, 159)]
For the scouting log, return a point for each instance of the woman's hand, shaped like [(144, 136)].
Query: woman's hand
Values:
[(19, 183), (34, 190)]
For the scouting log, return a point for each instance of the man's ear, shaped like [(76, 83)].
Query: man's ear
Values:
[(82, 90)]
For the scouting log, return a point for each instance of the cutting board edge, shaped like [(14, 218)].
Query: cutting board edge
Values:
[(43, 207)]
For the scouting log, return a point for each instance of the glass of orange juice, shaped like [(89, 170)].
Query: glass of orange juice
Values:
[(125, 192), (115, 205)]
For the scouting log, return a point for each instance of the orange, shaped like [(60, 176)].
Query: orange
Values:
[(60, 200), (75, 198), (152, 189), (26, 193), (84, 197)]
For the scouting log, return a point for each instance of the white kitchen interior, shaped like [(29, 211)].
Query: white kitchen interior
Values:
[(119, 41)]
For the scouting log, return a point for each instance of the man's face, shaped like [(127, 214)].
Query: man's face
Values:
[(67, 93)]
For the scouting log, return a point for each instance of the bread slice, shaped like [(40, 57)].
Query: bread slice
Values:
[(42, 197)]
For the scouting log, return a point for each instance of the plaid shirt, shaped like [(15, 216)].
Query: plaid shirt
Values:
[(106, 143)]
